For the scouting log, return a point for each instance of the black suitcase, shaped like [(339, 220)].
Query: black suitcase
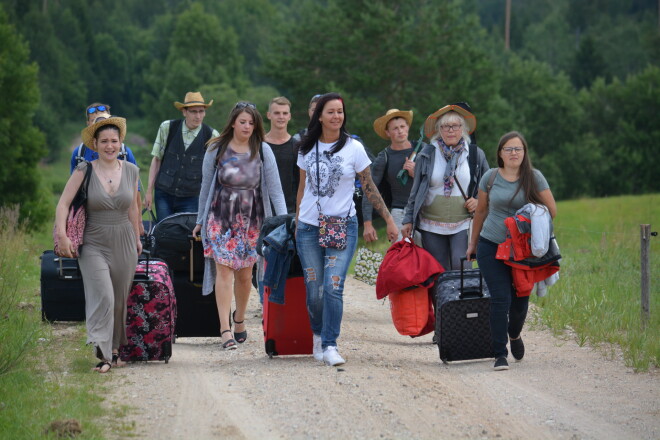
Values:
[(197, 315), (172, 243), (462, 325), (62, 291)]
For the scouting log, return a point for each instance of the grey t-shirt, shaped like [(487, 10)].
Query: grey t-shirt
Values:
[(396, 160), (500, 205)]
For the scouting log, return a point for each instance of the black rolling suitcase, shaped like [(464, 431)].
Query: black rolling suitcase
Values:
[(462, 325), (62, 291), (197, 314), (172, 243)]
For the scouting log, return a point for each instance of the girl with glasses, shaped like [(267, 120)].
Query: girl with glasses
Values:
[(515, 184), (240, 180)]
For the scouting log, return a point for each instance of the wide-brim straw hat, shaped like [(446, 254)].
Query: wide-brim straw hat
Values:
[(460, 108), (192, 99), (380, 124), (88, 132)]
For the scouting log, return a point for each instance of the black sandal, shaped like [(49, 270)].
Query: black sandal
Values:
[(240, 336), (100, 365), (230, 344), (115, 360)]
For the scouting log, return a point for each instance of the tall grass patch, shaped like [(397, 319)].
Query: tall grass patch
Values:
[(45, 369), (598, 294)]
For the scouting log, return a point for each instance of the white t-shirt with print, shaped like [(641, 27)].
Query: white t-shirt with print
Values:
[(337, 180)]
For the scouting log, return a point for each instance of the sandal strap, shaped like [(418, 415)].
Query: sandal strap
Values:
[(225, 331), (233, 315)]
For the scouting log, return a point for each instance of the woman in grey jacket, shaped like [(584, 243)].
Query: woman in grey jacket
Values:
[(239, 180), (441, 201)]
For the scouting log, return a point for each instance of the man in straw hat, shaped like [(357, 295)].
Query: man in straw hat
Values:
[(178, 153), (393, 126), (81, 152)]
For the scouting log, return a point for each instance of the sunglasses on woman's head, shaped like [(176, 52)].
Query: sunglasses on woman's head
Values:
[(98, 108), (243, 104)]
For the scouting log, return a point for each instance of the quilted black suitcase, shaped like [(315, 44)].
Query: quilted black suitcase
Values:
[(462, 325), (62, 291)]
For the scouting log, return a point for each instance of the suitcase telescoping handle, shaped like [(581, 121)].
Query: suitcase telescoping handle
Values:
[(463, 292), (145, 275), (192, 255)]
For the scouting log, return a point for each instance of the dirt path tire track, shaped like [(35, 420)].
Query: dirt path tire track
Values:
[(391, 387)]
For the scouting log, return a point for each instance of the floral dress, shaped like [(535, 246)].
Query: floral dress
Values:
[(236, 213)]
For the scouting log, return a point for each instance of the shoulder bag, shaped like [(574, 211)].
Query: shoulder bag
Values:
[(77, 218)]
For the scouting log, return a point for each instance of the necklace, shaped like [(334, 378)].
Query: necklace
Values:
[(105, 176)]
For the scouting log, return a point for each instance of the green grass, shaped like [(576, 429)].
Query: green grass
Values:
[(597, 299), (45, 370)]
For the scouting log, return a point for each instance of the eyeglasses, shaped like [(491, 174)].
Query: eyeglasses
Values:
[(98, 108), (453, 127), (243, 104), (509, 150)]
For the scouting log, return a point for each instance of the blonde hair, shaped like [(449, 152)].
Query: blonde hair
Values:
[(452, 117)]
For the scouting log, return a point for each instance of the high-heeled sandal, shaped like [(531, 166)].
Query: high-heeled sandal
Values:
[(240, 336), (230, 344)]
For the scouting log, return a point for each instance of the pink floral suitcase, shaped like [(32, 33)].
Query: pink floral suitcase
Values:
[(151, 317)]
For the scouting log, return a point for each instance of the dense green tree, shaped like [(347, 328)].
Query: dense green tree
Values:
[(201, 52), (21, 142), (588, 64), (623, 119), (382, 54), (546, 111)]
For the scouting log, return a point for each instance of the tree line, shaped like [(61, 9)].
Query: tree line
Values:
[(581, 80)]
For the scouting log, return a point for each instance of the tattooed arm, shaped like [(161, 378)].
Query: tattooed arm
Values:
[(371, 193)]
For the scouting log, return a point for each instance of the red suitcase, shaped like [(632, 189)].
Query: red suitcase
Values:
[(286, 326), (151, 317)]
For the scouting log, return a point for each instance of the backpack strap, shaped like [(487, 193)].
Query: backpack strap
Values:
[(491, 179), (81, 153), (472, 162), (175, 124), (123, 155)]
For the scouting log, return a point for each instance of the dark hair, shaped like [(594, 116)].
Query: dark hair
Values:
[(526, 180), (106, 127), (227, 133), (314, 129)]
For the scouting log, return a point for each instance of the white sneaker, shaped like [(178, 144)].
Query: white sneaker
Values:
[(331, 356), (318, 348)]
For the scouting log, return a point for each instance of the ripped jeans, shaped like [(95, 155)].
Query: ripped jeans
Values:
[(325, 272)]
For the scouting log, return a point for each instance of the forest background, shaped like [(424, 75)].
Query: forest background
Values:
[(580, 79)]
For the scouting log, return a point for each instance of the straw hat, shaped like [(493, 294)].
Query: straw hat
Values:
[(462, 108), (380, 124), (192, 99), (88, 132)]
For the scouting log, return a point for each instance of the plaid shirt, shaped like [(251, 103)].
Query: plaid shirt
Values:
[(188, 137)]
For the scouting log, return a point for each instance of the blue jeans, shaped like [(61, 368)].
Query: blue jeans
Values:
[(325, 272), (507, 311), (167, 204)]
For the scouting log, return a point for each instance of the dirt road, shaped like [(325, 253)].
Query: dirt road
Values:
[(391, 387)]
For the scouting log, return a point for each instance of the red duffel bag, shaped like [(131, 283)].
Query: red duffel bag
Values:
[(406, 265)]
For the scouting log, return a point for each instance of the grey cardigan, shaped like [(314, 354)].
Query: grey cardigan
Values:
[(271, 189), (423, 171)]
